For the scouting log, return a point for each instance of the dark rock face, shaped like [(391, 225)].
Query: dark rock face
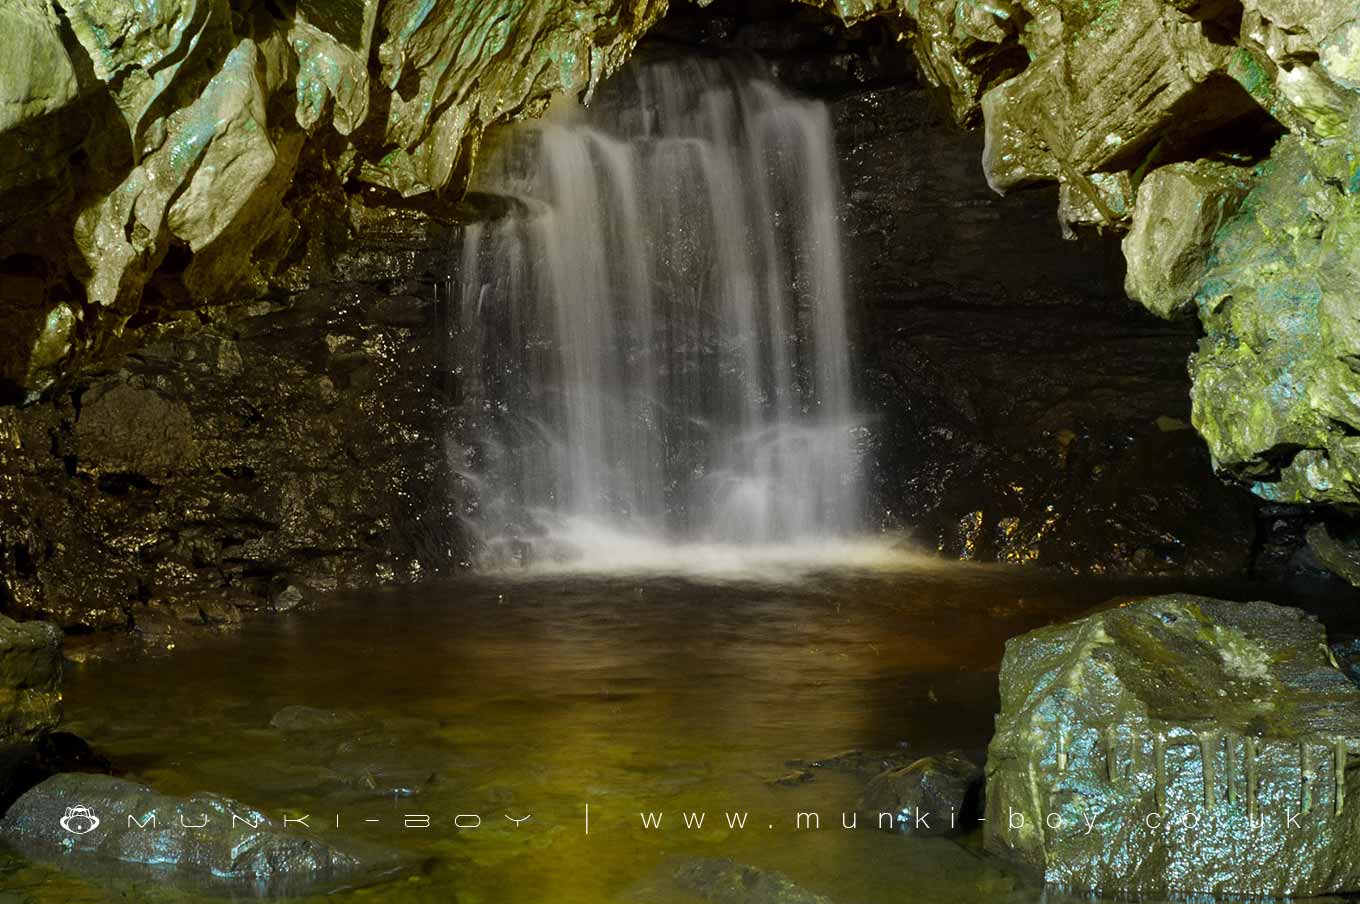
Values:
[(1178, 745), (30, 700), (30, 675), (1025, 412), (278, 450), (204, 837), (936, 795)]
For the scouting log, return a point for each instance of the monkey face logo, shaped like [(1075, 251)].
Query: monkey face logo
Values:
[(79, 820)]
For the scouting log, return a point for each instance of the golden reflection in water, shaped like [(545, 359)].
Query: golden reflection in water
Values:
[(539, 695)]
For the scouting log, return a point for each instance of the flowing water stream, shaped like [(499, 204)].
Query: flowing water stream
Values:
[(653, 344)]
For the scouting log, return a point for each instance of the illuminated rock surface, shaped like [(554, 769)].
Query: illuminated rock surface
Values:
[(1178, 744), (191, 839)]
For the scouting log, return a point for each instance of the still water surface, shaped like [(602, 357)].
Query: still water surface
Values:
[(513, 696)]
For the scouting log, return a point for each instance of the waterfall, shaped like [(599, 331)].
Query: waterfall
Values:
[(651, 345)]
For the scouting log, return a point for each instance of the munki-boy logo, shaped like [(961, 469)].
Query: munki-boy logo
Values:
[(79, 820)]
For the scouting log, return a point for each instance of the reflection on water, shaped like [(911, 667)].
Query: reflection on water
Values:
[(504, 697)]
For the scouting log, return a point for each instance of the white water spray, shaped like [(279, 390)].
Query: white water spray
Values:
[(653, 345)]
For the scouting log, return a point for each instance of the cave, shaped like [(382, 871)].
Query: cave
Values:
[(731, 451)]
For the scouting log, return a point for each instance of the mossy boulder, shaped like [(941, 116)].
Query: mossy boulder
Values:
[(1178, 745), (1275, 391)]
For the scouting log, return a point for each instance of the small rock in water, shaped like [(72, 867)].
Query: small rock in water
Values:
[(728, 882), (791, 778), (866, 764), (936, 795), (98, 818), (288, 598), (311, 718)]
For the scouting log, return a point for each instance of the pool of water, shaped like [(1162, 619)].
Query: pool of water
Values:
[(510, 697)]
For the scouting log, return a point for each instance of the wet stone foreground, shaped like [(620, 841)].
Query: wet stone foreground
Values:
[(694, 703), (1180, 744)]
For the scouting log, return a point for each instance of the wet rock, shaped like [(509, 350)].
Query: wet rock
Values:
[(1347, 655), (728, 882), (51, 754), (792, 778), (213, 475), (310, 718), (936, 795), (1276, 309), (1178, 745), (863, 763), (1103, 201), (1179, 209), (30, 681), (37, 77), (1122, 77), (125, 429), (106, 816), (1337, 552)]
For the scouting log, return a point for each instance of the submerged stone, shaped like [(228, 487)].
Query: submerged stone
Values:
[(936, 795), (204, 837), (1178, 745), (310, 718), (729, 882)]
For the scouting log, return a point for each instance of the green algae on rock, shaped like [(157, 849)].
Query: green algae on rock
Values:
[(1275, 393), (1178, 745)]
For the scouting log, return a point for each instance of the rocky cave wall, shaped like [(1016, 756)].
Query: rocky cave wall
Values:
[(206, 255)]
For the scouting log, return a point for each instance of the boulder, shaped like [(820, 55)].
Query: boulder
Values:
[(1275, 393), (1179, 208), (1178, 745), (200, 838), (936, 795)]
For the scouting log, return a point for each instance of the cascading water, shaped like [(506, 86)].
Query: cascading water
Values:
[(652, 346)]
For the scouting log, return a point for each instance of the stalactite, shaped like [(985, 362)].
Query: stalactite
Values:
[(1111, 753), (1251, 778), (1159, 770), (1305, 778), (1208, 744), (1062, 749), (1339, 767), (1230, 767)]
